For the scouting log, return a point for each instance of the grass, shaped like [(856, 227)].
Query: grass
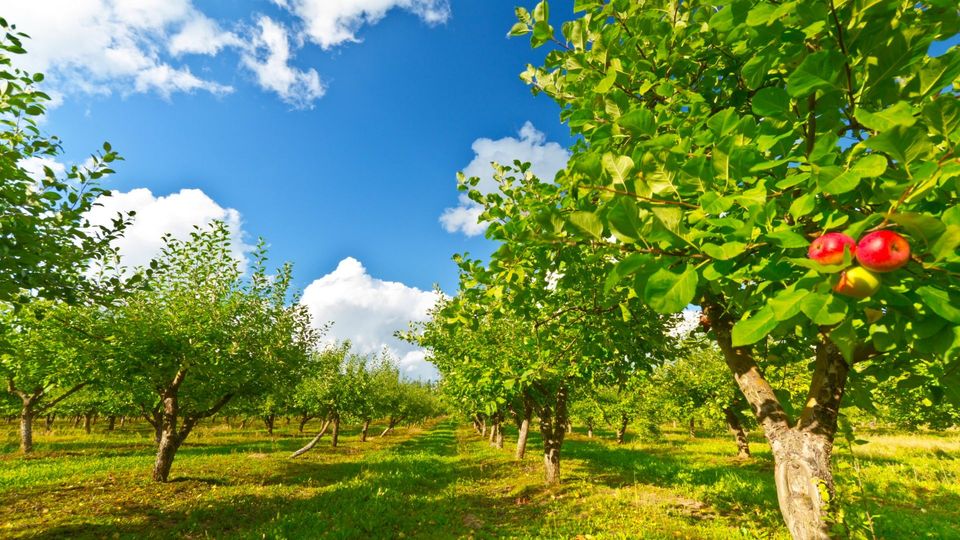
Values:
[(442, 481)]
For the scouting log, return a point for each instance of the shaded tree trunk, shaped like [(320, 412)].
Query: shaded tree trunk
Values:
[(270, 421), (476, 424), (111, 422), (303, 421), (739, 434), (335, 437), (483, 427), (553, 425), (622, 428), (87, 418), (390, 425), (76, 421), (123, 420), (243, 422), (801, 450), (49, 422), (494, 427), (590, 429), (312, 443), (524, 431), (693, 428), (498, 442), (363, 432)]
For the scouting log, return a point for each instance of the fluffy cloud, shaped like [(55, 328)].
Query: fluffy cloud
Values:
[(175, 214), (97, 46), (34, 167), (545, 158), (329, 23), (105, 46), (269, 59), (367, 311)]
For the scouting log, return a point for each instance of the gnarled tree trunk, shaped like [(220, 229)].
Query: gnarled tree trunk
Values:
[(269, 421), (390, 425), (313, 442), (801, 450), (553, 425), (303, 421), (363, 431)]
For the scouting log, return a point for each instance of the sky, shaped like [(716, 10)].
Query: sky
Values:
[(334, 129)]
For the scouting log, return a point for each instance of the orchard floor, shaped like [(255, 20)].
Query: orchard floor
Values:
[(443, 481)]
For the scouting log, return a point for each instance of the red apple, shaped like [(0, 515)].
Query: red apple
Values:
[(857, 282), (883, 251), (829, 248)]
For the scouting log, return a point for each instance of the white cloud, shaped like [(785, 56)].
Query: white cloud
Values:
[(202, 35), (367, 311), (689, 321), (175, 214), (329, 23), (98, 46), (545, 158), (269, 59), (34, 167)]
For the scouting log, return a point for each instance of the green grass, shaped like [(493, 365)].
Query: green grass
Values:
[(442, 481)]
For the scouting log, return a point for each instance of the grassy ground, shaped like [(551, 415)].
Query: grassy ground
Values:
[(442, 481)]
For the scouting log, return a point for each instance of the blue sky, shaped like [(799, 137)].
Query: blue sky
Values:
[(332, 128), (366, 172)]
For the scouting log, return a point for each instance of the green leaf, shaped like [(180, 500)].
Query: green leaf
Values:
[(823, 309), (818, 71), (607, 82), (639, 122), (922, 226), (519, 29), (786, 304), (901, 143), (870, 166), (946, 245), (788, 239), (725, 251), (943, 115), (754, 328), (803, 205), (900, 114), (845, 338), (624, 219), (542, 33), (939, 72), (667, 292), (587, 222), (628, 266), (771, 101), (941, 303), (619, 167)]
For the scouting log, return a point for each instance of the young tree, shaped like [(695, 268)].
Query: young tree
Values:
[(46, 241), (717, 139), (199, 335)]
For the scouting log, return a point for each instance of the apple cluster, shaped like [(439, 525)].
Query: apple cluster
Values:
[(877, 252)]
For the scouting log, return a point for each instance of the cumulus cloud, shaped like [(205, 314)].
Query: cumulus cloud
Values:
[(269, 59), (34, 166), (329, 23), (545, 158), (98, 46), (175, 214), (368, 311), (202, 35)]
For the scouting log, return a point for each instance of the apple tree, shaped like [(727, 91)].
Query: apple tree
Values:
[(717, 139)]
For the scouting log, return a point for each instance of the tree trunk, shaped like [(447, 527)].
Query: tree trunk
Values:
[(693, 428), (363, 432), (476, 423), (801, 451), (243, 423), (111, 422), (76, 421), (49, 422), (303, 421), (269, 421), (123, 420), (494, 427), (739, 434), (590, 429), (312, 443), (524, 432), (169, 440), (622, 428), (553, 424), (569, 427), (483, 428), (335, 437), (26, 427), (499, 439), (393, 422)]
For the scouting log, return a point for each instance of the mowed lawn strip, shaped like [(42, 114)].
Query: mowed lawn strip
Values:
[(444, 481)]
